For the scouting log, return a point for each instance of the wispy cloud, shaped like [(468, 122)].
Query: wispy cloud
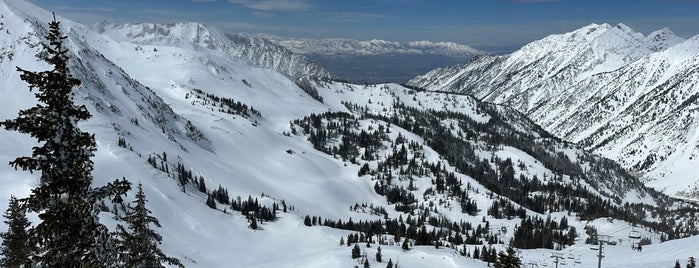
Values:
[(88, 9), (354, 16), (263, 14), (274, 5)]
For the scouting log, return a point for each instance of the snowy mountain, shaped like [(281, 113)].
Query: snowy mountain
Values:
[(377, 61), (627, 96), (341, 46), (175, 110), (194, 36)]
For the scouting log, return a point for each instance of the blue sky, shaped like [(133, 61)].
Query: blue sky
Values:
[(486, 24)]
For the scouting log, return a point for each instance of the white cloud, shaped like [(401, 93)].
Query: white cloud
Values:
[(102, 9), (274, 5)]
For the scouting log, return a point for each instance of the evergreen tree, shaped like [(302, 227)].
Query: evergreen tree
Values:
[(210, 201), (508, 260), (390, 264), (356, 251), (405, 245), (69, 233), (16, 248), (139, 244), (366, 263), (253, 223), (692, 263), (307, 220), (677, 264)]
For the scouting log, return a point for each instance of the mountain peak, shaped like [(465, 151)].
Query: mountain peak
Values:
[(623, 27), (181, 33), (662, 39)]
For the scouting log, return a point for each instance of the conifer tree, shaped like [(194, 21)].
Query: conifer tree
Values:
[(69, 233), (366, 263), (253, 223), (16, 248), (390, 264), (692, 263), (677, 264), (405, 245), (139, 244), (356, 252), (508, 259)]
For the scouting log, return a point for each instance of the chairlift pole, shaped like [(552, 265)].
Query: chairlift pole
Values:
[(601, 239), (557, 256), (599, 254)]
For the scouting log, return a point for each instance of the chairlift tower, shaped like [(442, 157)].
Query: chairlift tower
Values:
[(557, 256), (601, 240)]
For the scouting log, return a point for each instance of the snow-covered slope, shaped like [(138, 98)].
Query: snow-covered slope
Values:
[(627, 96), (163, 103), (195, 36)]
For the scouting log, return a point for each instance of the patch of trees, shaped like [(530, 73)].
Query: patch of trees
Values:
[(223, 105)]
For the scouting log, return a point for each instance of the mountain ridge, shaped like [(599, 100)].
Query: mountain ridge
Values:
[(343, 46), (602, 76)]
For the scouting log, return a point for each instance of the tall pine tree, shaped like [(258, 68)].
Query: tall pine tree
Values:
[(508, 259), (692, 263), (69, 233), (16, 248), (139, 245)]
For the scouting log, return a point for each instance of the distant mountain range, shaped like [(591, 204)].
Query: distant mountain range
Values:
[(628, 96), (377, 61), (342, 46)]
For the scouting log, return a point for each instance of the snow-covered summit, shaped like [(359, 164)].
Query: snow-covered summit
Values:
[(197, 36), (614, 89), (172, 34)]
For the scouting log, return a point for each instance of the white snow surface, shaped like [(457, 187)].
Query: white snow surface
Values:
[(627, 96), (151, 82)]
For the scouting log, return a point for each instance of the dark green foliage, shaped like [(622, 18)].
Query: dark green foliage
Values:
[(253, 223), (692, 263), (508, 259), (306, 84), (366, 263), (69, 233), (16, 247), (356, 252), (221, 195), (139, 244), (405, 245), (251, 207), (210, 201), (390, 264), (224, 105), (534, 232)]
